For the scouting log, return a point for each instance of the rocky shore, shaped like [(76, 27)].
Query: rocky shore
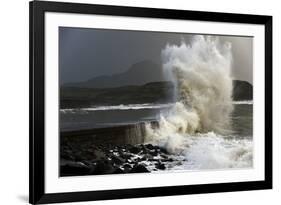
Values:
[(86, 158)]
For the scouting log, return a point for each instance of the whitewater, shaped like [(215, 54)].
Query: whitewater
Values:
[(198, 127), (119, 107), (134, 107)]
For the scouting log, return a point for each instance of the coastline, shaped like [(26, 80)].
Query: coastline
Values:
[(113, 150)]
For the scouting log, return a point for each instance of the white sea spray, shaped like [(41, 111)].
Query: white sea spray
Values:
[(197, 124)]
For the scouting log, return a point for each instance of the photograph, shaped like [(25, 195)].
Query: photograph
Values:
[(132, 102), (152, 102)]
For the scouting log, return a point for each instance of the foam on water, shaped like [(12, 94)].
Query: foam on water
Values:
[(119, 107), (244, 102), (211, 151)]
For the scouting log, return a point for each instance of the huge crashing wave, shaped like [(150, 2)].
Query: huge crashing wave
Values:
[(197, 125)]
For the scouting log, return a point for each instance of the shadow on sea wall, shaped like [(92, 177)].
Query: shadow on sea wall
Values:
[(118, 135)]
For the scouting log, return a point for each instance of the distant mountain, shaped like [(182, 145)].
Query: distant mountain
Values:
[(153, 92), (138, 74), (242, 90), (143, 82)]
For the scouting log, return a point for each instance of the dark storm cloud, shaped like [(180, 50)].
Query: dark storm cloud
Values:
[(86, 53)]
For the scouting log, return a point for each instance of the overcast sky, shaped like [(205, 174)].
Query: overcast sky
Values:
[(86, 53)]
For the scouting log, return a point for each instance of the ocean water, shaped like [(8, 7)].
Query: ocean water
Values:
[(211, 150), (197, 151), (109, 116)]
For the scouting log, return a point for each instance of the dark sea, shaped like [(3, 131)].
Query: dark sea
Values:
[(197, 151)]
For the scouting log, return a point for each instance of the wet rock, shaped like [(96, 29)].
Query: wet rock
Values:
[(127, 168), (87, 163), (179, 163), (135, 150), (167, 160), (152, 159), (120, 152), (153, 152), (164, 156), (118, 171), (160, 166), (89, 158), (103, 167), (117, 160), (147, 157), (149, 146), (139, 168), (126, 155), (129, 161)]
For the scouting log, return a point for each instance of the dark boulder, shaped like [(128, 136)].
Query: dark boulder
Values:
[(149, 146), (139, 168), (167, 160), (135, 150), (153, 152), (103, 167), (147, 157), (126, 155), (117, 160), (160, 166), (118, 171), (127, 168)]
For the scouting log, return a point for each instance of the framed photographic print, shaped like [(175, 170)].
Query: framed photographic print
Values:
[(140, 102)]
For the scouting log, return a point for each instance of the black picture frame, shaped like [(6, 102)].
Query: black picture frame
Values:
[(37, 9)]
